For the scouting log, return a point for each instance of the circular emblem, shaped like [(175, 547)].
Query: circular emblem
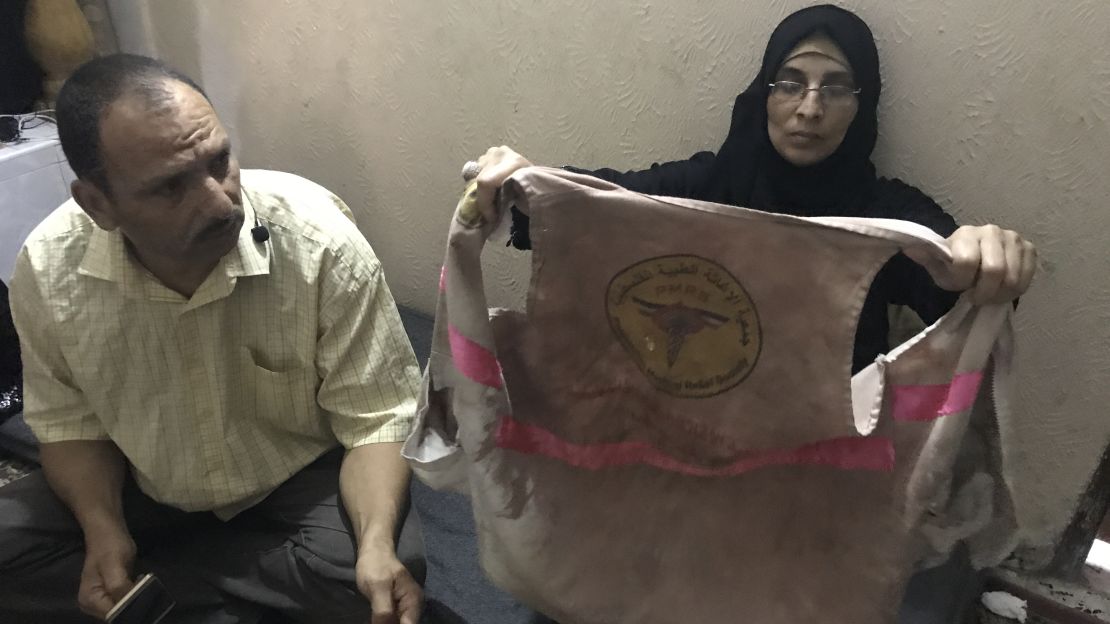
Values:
[(689, 324)]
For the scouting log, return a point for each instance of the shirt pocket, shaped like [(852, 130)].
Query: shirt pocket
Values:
[(284, 399)]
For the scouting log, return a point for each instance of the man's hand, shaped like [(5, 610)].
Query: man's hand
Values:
[(497, 164), (88, 476), (106, 576), (395, 597), (997, 265), (373, 482)]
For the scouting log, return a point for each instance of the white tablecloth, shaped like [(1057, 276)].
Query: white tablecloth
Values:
[(34, 180)]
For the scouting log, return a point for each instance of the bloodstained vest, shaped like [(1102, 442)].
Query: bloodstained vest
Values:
[(670, 432)]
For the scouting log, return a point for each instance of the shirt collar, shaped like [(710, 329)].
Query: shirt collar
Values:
[(249, 257)]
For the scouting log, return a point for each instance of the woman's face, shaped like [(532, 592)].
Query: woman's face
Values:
[(807, 128)]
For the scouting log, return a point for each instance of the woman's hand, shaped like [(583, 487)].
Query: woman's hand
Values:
[(997, 265), (497, 164)]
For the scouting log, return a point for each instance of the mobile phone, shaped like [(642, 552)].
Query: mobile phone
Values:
[(147, 603)]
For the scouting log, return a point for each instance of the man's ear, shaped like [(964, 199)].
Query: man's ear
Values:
[(95, 202)]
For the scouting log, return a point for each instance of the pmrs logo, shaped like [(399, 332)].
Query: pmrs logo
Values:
[(689, 324)]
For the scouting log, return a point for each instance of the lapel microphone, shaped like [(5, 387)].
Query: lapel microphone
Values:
[(259, 232)]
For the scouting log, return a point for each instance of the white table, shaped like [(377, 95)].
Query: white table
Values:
[(34, 180)]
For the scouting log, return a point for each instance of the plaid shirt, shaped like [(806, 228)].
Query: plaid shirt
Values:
[(289, 348)]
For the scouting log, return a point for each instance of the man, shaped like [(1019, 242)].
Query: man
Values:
[(226, 342)]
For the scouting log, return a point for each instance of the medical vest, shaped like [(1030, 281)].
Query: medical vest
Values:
[(670, 431)]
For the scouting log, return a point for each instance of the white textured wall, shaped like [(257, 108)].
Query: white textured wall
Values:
[(998, 108)]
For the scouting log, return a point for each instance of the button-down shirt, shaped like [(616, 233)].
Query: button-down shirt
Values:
[(289, 348)]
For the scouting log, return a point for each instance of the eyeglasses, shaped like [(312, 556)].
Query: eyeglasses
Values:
[(831, 95), (12, 126)]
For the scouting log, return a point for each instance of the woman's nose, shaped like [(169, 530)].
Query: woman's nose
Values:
[(811, 105)]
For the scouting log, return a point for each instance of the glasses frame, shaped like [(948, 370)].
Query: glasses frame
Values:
[(821, 93)]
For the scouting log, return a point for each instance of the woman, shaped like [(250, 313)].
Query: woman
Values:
[(800, 143)]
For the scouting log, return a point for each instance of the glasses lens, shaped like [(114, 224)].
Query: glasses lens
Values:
[(786, 89), (837, 94)]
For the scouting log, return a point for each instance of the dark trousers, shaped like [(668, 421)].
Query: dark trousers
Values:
[(292, 556)]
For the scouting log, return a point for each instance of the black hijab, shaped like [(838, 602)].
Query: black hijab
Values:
[(748, 171)]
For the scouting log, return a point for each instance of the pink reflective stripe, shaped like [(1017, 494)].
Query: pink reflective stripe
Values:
[(443, 279), (473, 360), (932, 402), (873, 453)]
